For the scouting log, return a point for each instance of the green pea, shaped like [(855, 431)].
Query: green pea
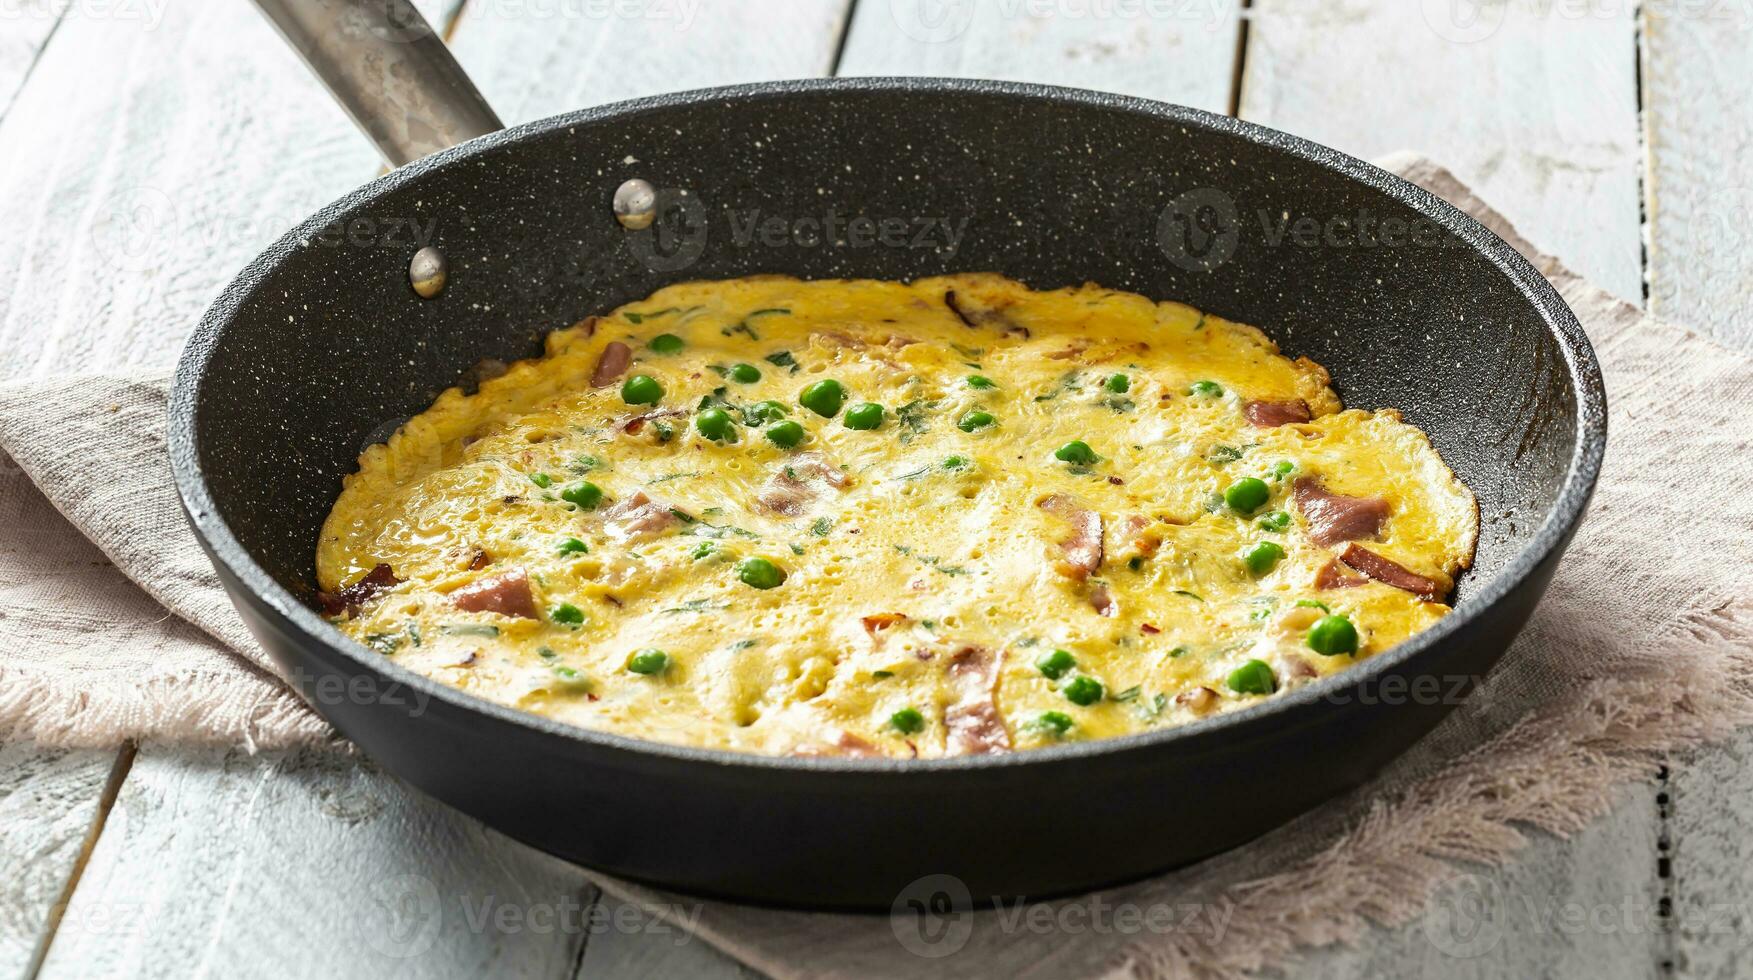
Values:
[(866, 416), (1261, 558), (823, 398), (1333, 635), (1246, 495), (1253, 677), (667, 343), (586, 495), (1077, 452), (542, 480), (744, 374), (1054, 722), (570, 678), (1282, 469), (975, 420), (1054, 665), (759, 573), (1278, 520), (1119, 384), (907, 721), (1083, 691), (573, 546), (648, 661), (1205, 389), (715, 424), (785, 435), (641, 389), (567, 614), (762, 412), (705, 549), (955, 462), (980, 381)]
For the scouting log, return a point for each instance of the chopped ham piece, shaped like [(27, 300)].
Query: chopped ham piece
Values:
[(613, 363), (638, 516), (1104, 602), (790, 491), (1267, 415), (848, 744), (1333, 518), (1082, 552), (1390, 572), (1335, 575), (1199, 700), (1134, 538), (507, 594), (975, 727), (349, 599)]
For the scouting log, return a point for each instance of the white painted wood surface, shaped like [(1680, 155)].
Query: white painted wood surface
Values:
[(1698, 115), (300, 864), (1534, 104), (23, 31), (1179, 51)]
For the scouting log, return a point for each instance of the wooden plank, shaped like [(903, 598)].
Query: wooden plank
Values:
[(631, 943), (48, 801), (23, 32), (1534, 104), (308, 864), (1565, 908), (129, 203), (1174, 50), (1538, 110), (536, 60), (1697, 85)]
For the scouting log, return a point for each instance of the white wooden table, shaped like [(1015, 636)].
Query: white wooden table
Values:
[(1615, 133)]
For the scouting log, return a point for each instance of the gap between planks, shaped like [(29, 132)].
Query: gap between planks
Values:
[(106, 801)]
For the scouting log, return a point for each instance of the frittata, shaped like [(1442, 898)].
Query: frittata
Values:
[(867, 518)]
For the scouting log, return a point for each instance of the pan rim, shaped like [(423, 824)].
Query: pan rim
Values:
[(1582, 472)]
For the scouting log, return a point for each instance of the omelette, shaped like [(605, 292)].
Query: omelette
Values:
[(856, 518)]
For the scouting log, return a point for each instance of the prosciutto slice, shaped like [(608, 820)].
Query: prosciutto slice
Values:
[(1390, 572), (639, 516), (507, 594), (613, 363), (348, 600), (1081, 553), (975, 727), (1333, 517), (1268, 415)]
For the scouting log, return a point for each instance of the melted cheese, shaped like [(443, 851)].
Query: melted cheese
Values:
[(935, 549)]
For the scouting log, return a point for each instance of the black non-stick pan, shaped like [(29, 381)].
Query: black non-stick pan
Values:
[(321, 344)]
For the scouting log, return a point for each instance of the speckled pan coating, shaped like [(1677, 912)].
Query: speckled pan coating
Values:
[(320, 345)]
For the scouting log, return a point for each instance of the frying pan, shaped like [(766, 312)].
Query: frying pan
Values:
[(321, 345)]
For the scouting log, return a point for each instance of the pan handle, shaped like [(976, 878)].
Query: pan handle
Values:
[(389, 69)]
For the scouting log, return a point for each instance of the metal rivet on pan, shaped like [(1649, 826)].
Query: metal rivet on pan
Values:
[(635, 204), (427, 272)]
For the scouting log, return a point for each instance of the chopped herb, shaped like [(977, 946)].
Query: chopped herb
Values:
[(882, 675), (1135, 563), (908, 721), (797, 549), (971, 353), (1130, 693), (1220, 455), (584, 464), (469, 629), (1178, 652), (567, 614), (384, 643), (912, 417), (1196, 597), (1054, 722), (932, 561), (636, 318), (546, 653), (783, 359), (695, 606), (542, 480), (1313, 604), (682, 515), (570, 678), (670, 476), (821, 526), (665, 431)]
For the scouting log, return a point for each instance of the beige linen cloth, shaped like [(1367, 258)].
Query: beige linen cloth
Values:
[(1643, 646)]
